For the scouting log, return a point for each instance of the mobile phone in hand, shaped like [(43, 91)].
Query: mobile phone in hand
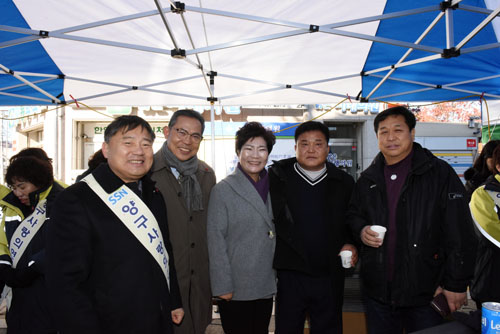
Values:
[(440, 305)]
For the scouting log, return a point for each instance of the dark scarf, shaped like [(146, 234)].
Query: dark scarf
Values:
[(191, 189)]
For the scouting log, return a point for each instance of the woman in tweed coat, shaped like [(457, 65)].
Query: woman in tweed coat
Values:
[(241, 237)]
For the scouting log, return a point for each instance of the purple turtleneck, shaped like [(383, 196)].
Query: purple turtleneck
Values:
[(395, 177), (262, 186)]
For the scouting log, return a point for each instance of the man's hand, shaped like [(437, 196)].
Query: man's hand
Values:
[(354, 251), (177, 315), (370, 238), (227, 296), (455, 299)]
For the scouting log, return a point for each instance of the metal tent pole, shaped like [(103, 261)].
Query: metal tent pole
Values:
[(212, 100)]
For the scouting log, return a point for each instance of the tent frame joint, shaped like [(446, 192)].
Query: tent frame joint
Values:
[(447, 4), (43, 33), (178, 7), (288, 86), (135, 88), (451, 52), (313, 28), (212, 99), (363, 100), (178, 53), (212, 75)]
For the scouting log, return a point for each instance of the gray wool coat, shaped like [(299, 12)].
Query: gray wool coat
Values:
[(188, 234), (241, 240)]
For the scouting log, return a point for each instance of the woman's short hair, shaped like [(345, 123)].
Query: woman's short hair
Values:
[(253, 130), (30, 169), (480, 165), (32, 152)]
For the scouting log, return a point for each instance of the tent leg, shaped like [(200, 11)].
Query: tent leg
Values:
[(212, 132)]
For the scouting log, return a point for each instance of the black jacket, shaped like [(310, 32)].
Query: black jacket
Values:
[(435, 244), (484, 286), (29, 311), (101, 278), (290, 253)]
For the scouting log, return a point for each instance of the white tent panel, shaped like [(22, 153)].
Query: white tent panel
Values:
[(292, 60), (281, 52)]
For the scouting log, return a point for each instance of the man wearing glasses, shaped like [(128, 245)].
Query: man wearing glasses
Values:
[(186, 182)]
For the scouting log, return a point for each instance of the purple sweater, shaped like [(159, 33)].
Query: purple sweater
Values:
[(395, 177)]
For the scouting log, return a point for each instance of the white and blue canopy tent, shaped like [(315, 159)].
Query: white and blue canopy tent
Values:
[(247, 52)]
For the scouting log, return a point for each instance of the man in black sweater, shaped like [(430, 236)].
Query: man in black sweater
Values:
[(310, 197)]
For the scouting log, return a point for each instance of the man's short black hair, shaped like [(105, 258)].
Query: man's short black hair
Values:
[(188, 113), (30, 169), (253, 130), (410, 119), (125, 124), (312, 126)]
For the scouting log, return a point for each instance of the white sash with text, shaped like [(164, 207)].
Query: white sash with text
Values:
[(22, 237), (25, 232), (137, 217)]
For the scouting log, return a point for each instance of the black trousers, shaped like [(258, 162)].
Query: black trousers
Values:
[(299, 294), (385, 319), (245, 316)]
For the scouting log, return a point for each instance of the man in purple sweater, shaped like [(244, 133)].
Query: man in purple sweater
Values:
[(427, 249)]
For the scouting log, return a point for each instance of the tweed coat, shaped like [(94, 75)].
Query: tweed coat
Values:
[(188, 233), (101, 279), (241, 240)]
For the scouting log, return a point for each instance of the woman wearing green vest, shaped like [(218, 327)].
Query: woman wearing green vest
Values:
[(485, 209), (22, 243)]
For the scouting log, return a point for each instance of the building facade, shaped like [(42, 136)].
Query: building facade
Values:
[(71, 134)]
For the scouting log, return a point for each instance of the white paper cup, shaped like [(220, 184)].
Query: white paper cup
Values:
[(346, 256), (380, 230)]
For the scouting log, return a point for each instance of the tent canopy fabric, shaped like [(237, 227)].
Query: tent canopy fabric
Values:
[(247, 52)]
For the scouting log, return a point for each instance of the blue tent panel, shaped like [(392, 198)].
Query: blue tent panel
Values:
[(28, 57), (436, 72)]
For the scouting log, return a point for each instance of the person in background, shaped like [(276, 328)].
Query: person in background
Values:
[(27, 152), (185, 182), (110, 267), (94, 161), (485, 209), (23, 243), (32, 152), (37, 153), (310, 197), (482, 168), (241, 237), (429, 246)]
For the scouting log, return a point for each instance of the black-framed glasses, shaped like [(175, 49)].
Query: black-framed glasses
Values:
[(196, 137)]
